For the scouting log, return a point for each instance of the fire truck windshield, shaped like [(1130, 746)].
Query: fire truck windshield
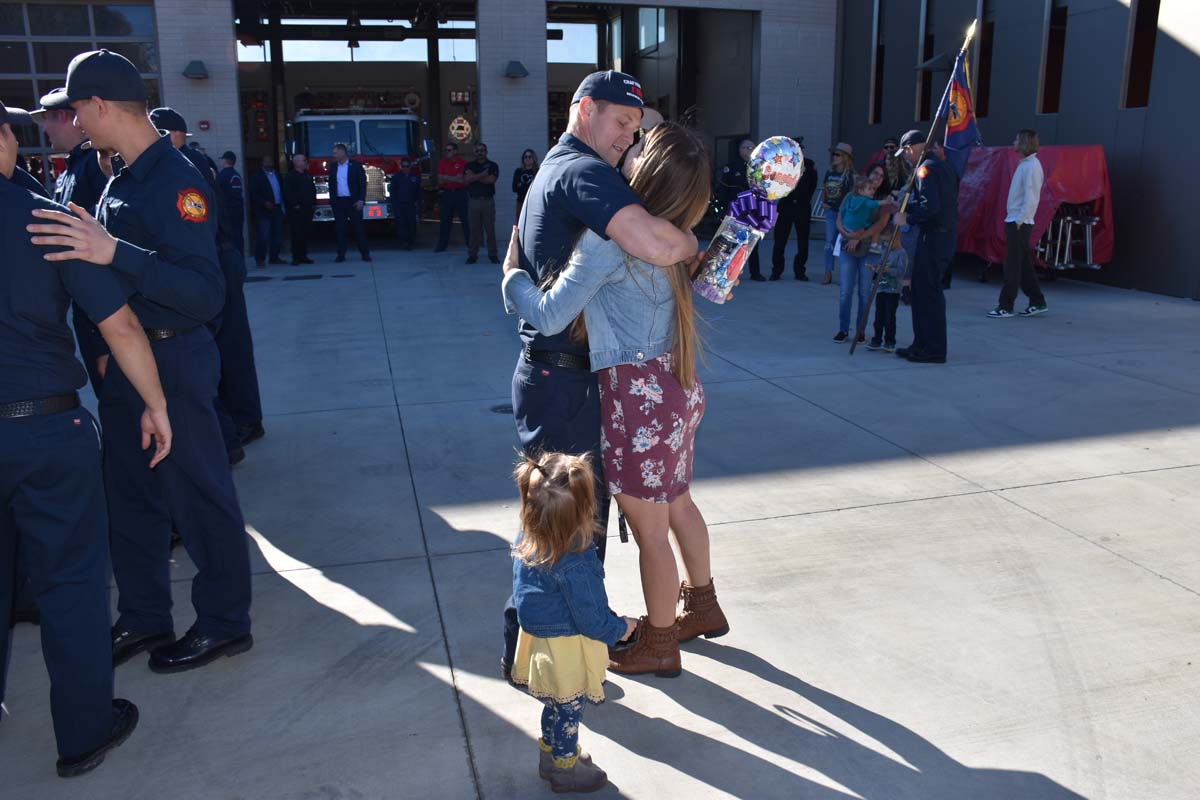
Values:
[(387, 137), (317, 137)]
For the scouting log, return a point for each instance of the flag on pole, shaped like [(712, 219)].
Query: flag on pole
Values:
[(961, 131)]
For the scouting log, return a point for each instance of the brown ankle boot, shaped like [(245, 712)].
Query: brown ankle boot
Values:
[(702, 615), (656, 650)]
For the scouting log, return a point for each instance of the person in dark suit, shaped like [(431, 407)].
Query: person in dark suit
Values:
[(795, 211), (405, 194), (300, 196), (266, 201), (348, 195)]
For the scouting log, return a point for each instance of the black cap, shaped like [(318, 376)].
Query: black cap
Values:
[(912, 137), (102, 73), (612, 86), (168, 119), (56, 100), (229, 155), (14, 116)]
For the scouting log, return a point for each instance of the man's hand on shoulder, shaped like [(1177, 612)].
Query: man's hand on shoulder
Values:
[(84, 237)]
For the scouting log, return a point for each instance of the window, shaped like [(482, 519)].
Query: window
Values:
[(875, 111), (388, 137), (1139, 58), (925, 79), (617, 45), (318, 137), (1052, 60), (578, 45), (58, 20), (12, 22), (124, 21), (652, 28)]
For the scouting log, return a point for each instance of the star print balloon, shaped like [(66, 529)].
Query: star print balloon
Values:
[(775, 167)]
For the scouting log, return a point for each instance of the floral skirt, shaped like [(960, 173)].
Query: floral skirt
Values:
[(648, 427), (561, 668)]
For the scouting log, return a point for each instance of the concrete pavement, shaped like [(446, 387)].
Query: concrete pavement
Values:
[(978, 580)]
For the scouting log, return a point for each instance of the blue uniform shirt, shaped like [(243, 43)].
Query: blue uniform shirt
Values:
[(83, 181), (28, 182), (934, 201), (405, 187), (574, 189), (231, 188), (161, 210), (37, 351)]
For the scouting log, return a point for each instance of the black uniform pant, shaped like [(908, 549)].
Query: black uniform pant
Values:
[(405, 214), (345, 215), (886, 304), (784, 225), (934, 252), (238, 213), (1018, 268), (238, 387), (52, 503), (299, 220), (451, 202), (191, 488), (557, 410)]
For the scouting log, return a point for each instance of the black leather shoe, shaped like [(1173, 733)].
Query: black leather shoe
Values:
[(176, 539), (472, 260), (296, 262), (127, 644), (27, 612), (494, 259), (774, 278), (757, 278), (366, 257), (307, 260), (801, 277), (195, 650), (236, 456), (925, 358), (125, 719), (902, 352), (339, 259), (250, 433)]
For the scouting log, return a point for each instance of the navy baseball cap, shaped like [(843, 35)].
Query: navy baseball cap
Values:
[(14, 116), (229, 155), (912, 137), (168, 119), (105, 74), (54, 101), (612, 86)]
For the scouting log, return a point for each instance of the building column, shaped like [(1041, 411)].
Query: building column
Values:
[(512, 111)]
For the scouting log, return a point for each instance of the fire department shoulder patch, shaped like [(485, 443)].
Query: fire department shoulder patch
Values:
[(923, 172), (192, 206)]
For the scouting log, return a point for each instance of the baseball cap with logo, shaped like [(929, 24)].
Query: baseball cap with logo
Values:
[(611, 86), (104, 74), (14, 116), (168, 119)]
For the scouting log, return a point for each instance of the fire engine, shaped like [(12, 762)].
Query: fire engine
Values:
[(376, 138)]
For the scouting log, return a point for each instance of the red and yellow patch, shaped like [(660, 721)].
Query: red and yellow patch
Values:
[(923, 172), (192, 206)]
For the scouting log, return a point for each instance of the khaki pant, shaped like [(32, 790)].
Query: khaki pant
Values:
[(481, 215)]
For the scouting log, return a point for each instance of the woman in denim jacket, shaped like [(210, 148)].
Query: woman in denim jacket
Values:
[(566, 625), (642, 340)]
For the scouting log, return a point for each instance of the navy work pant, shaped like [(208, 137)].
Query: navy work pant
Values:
[(52, 503), (802, 223), (269, 238), (238, 388), (191, 488), (405, 214), (557, 410), (934, 251), (451, 202), (346, 215)]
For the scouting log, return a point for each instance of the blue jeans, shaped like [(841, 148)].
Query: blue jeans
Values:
[(852, 272), (831, 234)]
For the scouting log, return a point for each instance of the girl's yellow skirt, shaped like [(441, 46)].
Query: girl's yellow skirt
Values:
[(561, 668)]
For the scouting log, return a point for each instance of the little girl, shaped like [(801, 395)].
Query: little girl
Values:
[(566, 624)]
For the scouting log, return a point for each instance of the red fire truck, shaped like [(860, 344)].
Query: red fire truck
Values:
[(376, 138)]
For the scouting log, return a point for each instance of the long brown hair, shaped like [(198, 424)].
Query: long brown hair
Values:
[(558, 507), (672, 178)]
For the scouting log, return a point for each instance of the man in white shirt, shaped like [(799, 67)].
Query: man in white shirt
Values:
[(347, 195), (1023, 195)]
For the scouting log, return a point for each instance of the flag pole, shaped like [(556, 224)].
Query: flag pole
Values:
[(904, 198)]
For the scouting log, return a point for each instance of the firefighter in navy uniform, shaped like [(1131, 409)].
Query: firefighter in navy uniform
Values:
[(795, 211), (733, 182), (933, 208), (51, 485), (239, 406), (156, 234), (234, 198)]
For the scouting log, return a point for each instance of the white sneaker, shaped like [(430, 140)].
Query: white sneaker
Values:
[(1033, 311), (999, 313)]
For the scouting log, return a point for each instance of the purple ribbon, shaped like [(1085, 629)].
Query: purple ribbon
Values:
[(755, 210)]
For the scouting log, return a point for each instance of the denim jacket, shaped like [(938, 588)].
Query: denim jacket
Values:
[(565, 598), (627, 303)]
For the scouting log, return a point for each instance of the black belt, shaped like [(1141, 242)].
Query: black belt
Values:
[(556, 359), (39, 408), (158, 334)]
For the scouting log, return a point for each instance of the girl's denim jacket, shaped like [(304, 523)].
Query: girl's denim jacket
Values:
[(627, 303), (565, 598)]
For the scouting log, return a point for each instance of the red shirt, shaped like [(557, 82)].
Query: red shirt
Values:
[(450, 173)]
